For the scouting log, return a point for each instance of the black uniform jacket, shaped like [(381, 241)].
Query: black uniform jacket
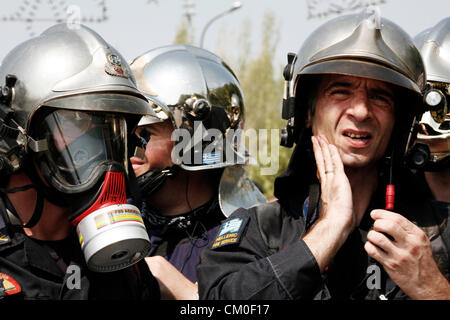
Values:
[(258, 253), (53, 270)]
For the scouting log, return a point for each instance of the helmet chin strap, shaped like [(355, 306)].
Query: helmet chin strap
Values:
[(152, 180)]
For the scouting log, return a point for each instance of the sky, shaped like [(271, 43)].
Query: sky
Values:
[(136, 26)]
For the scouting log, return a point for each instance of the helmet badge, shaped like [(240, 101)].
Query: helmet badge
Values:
[(114, 67)]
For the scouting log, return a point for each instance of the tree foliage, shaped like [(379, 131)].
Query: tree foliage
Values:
[(185, 33), (262, 83)]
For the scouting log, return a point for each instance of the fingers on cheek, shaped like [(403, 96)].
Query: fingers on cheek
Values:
[(325, 149), (315, 143), (336, 157), (333, 151), (316, 148), (319, 158), (323, 138)]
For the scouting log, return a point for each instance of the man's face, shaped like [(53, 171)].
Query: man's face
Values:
[(158, 150), (356, 115)]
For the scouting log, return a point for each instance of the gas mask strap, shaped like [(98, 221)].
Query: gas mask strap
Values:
[(47, 192), (37, 213), (17, 189), (9, 208)]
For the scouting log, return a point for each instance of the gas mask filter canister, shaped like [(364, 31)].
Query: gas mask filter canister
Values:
[(111, 232)]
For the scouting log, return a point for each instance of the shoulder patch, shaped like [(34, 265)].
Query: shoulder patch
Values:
[(4, 236), (8, 286), (230, 232)]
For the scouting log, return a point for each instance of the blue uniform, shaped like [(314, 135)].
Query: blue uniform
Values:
[(182, 238)]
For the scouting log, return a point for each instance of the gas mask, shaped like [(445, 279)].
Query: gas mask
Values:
[(63, 105), (83, 157)]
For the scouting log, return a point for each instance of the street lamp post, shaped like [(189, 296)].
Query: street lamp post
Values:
[(236, 5)]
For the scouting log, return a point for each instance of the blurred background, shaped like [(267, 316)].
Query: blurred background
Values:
[(252, 36)]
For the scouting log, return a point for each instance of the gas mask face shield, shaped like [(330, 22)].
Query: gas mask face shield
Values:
[(83, 156), (80, 144)]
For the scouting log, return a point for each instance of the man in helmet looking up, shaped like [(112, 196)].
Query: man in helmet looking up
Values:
[(351, 96), (68, 104), (190, 167)]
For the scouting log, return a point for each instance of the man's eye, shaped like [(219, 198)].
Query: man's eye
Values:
[(145, 134), (382, 99), (340, 92)]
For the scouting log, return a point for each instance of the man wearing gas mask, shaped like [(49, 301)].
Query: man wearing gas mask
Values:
[(190, 165), (351, 95), (68, 104)]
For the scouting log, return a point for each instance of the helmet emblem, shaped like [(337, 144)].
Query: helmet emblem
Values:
[(114, 67)]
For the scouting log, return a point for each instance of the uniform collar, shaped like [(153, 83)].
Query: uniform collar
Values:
[(183, 221), (34, 254), (38, 256)]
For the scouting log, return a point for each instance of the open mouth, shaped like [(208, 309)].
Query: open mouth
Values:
[(358, 139), (357, 136)]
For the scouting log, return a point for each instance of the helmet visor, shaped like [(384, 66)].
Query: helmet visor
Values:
[(79, 144)]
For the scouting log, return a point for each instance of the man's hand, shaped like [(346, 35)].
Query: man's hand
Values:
[(406, 256), (336, 218), (336, 192), (172, 283)]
